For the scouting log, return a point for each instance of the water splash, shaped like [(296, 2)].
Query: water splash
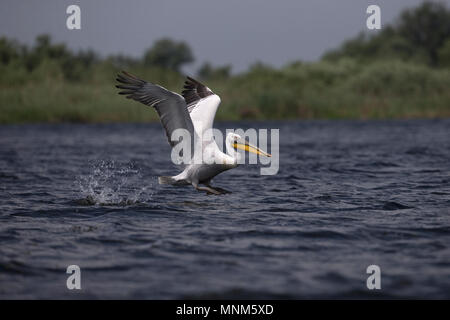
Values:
[(113, 184)]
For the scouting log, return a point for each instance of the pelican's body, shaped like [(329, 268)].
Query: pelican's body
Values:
[(193, 111)]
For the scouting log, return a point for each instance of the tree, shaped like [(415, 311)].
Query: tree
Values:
[(9, 50), (444, 54), (426, 27), (418, 35), (206, 71), (168, 54), (121, 61)]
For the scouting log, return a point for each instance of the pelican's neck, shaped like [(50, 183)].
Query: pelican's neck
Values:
[(231, 151)]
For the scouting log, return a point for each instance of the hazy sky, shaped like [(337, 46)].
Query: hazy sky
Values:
[(236, 32)]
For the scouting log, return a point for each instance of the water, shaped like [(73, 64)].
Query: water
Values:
[(349, 194)]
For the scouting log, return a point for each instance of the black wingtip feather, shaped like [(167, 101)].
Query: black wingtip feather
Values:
[(194, 91)]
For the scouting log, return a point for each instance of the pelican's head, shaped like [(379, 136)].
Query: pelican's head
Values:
[(237, 142)]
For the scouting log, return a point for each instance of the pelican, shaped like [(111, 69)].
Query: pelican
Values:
[(194, 110)]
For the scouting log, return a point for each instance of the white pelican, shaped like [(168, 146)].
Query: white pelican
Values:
[(193, 111)]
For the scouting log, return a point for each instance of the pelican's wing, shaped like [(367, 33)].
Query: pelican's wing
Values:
[(202, 104), (194, 91), (170, 106)]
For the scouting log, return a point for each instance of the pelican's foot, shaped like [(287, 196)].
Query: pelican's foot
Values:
[(209, 190), (222, 191)]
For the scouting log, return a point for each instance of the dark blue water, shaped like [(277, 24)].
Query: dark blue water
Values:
[(349, 194)]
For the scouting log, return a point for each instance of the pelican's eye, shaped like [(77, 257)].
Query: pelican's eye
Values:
[(235, 142)]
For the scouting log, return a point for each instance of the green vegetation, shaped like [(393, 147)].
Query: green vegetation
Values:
[(401, 72)]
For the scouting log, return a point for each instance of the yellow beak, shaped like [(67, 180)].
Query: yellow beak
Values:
[(249, 148)]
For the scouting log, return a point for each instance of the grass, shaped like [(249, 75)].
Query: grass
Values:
[(343, 89)]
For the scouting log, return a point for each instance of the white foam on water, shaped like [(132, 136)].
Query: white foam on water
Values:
[(112, 184)]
